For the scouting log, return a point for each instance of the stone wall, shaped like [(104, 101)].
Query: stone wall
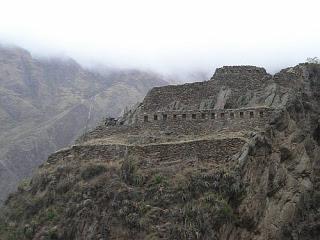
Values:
[(231, 83), (188, 126), (220, 150), (205, 115), (242, 77), (181, 97), (217, 150), (229, 101)]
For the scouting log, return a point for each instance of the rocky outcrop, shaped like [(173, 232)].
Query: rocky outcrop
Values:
[(136, 181), (281, 168)]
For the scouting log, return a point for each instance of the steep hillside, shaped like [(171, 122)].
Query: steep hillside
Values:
[(238, 169), (45, 104)]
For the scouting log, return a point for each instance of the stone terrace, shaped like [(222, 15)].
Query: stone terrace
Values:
[(257, 113), (201, 108), (214, 151), (202, 121)]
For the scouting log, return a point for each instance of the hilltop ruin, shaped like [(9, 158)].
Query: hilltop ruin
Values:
[(235, 99), (235, 157)]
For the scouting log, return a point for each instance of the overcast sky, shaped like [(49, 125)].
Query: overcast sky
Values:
[(166, 35)]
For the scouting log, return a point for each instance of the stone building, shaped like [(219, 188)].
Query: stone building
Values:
[(235, 97)]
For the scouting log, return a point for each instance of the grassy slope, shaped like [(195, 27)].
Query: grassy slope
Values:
[(124, 199)]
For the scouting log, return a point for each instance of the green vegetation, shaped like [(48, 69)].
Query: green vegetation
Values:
[(187, 203), (159, 179), (190, 206), (9, 230), (130, 173), (51, 214), (24, 185), (92, 171)]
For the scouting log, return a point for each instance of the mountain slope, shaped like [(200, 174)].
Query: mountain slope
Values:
[(243, 177), (45, 104)]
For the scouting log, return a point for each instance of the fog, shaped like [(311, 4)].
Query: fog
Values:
[(167, 36)]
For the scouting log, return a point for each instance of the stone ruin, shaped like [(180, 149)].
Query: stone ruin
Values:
[(225, 111), (235, 98), (205, 115), (262, 129), (110, 121)]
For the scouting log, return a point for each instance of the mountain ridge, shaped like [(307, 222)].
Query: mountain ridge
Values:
[(44, 105)]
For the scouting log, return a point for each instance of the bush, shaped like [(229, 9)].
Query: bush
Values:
[(24, 185), (158, 179), (92, 171), (51, 215), (314, 60), (130, 174), (128, 170), (52, 234)]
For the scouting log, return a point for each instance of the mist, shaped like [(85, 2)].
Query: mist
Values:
[(168, 37)]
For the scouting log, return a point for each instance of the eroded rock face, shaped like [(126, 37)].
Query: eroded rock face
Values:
[(282, 169), (182, 182)]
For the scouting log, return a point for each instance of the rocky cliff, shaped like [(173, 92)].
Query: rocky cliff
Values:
[(155, 181), (45, 104)]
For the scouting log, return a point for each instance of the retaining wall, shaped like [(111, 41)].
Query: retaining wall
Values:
[(215, 150), (261, 113), (177, 126)]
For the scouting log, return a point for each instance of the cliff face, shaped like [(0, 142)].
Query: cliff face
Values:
[(45, 104), (176, 180), (281, 166)]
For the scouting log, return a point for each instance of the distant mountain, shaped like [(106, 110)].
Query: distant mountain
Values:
[(45, 104)]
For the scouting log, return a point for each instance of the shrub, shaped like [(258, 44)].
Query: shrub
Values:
[(52, 234), (92, 171), (51, 215), (158, 179), (24, 185), (128, 170), (314, 60), (130, 173)]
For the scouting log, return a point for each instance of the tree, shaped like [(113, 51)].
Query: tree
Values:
[(314, 60)]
